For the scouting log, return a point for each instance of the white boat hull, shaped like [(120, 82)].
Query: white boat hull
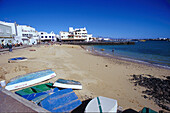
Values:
[(101, 105), (28, 83), (62, 85)]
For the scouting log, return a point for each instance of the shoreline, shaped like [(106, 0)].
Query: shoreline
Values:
[(95, 52), (100, 76)]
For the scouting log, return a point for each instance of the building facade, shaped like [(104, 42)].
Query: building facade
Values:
[(78, 34), (5, 34), (27, 35), (21, 33), (47, 37), (13, 27)]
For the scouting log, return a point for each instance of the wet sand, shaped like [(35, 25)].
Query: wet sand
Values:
[(100, 76)]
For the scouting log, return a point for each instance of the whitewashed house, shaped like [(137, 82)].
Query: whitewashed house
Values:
[(27, 35), (22, 33), (47, 37), (78, 34)]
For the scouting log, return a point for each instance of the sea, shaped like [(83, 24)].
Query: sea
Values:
[(150, 52)]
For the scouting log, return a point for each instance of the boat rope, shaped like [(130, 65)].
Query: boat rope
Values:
[(100, 108)]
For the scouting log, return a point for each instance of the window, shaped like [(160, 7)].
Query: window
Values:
[(45, 36), (42, 37), (24, 35), (52, 36), (42, 33), (49, 36)]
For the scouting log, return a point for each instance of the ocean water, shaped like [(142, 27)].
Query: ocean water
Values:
[(152, 52)]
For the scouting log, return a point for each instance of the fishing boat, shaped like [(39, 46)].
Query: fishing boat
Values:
[(102, 104), (17, 59), (142, 40), (62, 83), (62, 101), (30, 79), (102, 49), (33, 92)]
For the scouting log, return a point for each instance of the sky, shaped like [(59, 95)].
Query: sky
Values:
[(106, 18)]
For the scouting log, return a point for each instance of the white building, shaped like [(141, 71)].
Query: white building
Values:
[(78, 34), (13, 27), (27, 35), (5, 34), (23, 33), (44, 36)]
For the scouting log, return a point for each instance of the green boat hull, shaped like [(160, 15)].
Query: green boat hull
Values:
[(35, 89)]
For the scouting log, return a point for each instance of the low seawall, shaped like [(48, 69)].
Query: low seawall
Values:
[(100, 43)]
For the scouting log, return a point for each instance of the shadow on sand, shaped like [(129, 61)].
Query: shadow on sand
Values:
[(82, 107)]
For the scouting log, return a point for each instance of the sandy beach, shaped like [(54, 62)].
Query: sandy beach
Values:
[(100, 76)]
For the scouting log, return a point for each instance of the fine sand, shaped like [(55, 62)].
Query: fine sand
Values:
[(100, 76)]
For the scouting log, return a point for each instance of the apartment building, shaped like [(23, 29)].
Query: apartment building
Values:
[(77, 34), (27, 34)]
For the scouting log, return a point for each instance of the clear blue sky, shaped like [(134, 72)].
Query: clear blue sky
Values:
[(108, 18)]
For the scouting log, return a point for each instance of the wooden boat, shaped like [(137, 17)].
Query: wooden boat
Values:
[(17, 59), (62, 83), (62, 101), (102, 104), (33, 92), (30, 79)]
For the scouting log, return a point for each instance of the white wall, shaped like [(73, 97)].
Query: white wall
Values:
[(28, 34), (12, 27), (44, 36), (64, 35), (79, 33)]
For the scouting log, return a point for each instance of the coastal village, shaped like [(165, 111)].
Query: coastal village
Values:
[(16, 35), (54, 74), (12, 33)]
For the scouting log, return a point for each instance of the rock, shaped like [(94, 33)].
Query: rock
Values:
[(156, 88)]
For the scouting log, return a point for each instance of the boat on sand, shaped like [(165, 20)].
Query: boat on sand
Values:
[(102, 104), (62, 83), (17, 59), (33, 92), (30, 79), (61, 101)]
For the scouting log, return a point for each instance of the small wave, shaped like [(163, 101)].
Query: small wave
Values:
[(130, 59), (167, 67)]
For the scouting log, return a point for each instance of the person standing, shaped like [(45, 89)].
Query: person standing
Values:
[(10, 47), (3, 44)]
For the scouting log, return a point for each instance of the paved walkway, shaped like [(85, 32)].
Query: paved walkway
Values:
[(10, 102)]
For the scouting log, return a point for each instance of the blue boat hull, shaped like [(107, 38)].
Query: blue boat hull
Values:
[(62, 101), (35, 95)]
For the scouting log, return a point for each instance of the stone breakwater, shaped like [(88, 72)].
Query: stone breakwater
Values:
[(99, 43), (156, 89)]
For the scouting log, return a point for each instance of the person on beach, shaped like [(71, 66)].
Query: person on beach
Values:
[(10, 48), (112, 50), (3, 44)]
